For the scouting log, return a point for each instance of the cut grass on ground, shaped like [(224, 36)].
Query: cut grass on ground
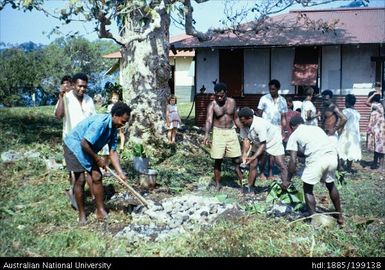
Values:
[(36, 220)]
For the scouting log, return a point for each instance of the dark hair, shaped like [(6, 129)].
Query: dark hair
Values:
[(219, 87), (376, 97), (289, 99), (246, 112), (296, 120), (276, 83), (327, 92), (377, 84), (66, 78), (120, 108), (350, 99), (309, 91), (80, 76)]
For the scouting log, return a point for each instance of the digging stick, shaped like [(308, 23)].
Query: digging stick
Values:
[(136, 194)]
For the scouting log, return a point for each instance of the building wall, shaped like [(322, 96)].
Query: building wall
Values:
[(330, 68), (357, 76), (185, 93), (282, 60), (358, 71), (207, 70), (184, 78), (256, 71)]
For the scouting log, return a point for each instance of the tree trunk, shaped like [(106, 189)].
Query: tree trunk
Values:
[(145, 74)]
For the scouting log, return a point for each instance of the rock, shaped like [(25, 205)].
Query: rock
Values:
[(31, 154), (326, 221), (173, 215), (10, 156), (52, 165)]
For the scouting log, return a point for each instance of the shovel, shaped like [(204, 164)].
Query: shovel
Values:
[(136, 194)]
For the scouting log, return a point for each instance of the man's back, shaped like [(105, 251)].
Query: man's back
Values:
[(312, 141)]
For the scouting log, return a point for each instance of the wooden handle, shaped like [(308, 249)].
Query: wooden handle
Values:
[(136, 194)]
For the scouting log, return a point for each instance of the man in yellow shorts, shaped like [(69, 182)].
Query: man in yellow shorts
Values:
[(221, 114)]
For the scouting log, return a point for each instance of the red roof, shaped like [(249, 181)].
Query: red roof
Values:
[(116, 55), (353, 26), (113, 55)]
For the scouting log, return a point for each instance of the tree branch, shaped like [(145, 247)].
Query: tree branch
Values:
[(156, 23), (189, 27), (104, 33)]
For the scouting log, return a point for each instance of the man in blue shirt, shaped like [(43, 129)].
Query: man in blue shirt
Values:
[(81, 146)]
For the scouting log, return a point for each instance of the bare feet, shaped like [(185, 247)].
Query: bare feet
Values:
[(82, 220), (262, 176), (101, 214), (341, 220), (71, 197)]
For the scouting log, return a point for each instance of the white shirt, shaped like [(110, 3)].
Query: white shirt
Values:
[(307, 105), (74, 111), (272, 110), (312, 141), (261, 131)]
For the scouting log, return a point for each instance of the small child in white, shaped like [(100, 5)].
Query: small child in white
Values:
[(172, 119)]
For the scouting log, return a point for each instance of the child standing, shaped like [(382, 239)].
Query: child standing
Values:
[(349, 142), (172, 119)]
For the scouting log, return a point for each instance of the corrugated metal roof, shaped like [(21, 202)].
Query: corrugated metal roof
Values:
[(353, 26)]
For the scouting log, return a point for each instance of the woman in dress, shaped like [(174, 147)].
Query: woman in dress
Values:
[(376, 129), (349, 142)]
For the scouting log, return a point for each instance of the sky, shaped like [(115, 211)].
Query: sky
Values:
[(18, 27)]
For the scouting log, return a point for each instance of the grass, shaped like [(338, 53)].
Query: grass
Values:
[(36, 220)]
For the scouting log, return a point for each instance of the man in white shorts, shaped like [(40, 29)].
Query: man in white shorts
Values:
[(262, 136), (321, 162)]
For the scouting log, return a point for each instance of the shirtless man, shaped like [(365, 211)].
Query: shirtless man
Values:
[(332, 119), (221, 113)]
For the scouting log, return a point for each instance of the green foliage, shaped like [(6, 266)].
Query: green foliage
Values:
[(23, 72), (290, 196)]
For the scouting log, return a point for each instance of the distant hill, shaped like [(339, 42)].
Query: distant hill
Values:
[(25, 46)]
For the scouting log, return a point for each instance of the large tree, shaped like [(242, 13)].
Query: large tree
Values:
[(143, 34)]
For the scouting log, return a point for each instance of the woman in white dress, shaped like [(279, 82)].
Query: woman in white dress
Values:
[(349, 142)]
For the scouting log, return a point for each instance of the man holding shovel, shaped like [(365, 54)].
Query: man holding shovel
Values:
[(81, 146)]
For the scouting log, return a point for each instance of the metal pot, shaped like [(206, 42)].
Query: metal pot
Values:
[(140, 164), (148, 180)]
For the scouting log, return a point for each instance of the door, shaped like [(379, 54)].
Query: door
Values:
[(231, 71)]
